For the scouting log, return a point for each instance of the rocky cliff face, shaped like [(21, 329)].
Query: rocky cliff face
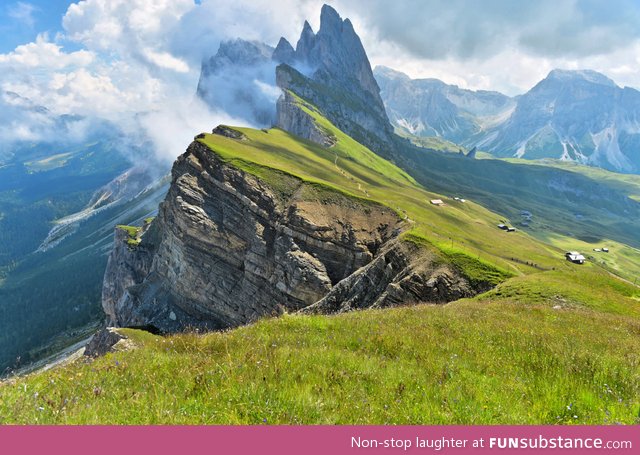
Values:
[(228, 248), (128, 265), (402, 273), (295, 120)]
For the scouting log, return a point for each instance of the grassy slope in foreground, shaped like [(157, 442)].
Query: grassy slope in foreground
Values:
[(544, 347), (463, 363)]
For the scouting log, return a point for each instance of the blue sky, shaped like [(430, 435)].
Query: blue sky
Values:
[(20, 22)]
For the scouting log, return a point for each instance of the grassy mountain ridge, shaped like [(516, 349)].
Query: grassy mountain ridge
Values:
[(353, 169)]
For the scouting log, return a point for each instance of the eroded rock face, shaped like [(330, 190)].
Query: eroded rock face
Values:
[(401, 274), (292, 118), (126, 267), (227, 249)]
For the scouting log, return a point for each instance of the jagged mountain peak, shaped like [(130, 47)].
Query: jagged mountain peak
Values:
[(335, 51), (283, 43), (306, 29), (329, 16), (306, 42), (284, 51), (331, 22), (331, 70)]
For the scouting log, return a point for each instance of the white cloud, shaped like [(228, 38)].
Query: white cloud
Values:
[(172, 128), (499, 44), (127, 72), (512, 71), (44, 54), (77, 83), (124, 27), (166, 60)]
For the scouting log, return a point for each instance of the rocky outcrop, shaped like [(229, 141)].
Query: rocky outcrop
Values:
[(226, 249), (402, 273), (104, 341), (293, 118), (128, 265), (223, 130)]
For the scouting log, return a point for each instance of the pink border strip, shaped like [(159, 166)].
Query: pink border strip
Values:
[(308, 440)]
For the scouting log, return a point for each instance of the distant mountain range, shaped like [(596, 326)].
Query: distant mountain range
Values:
[(580, 116), (429, 107)]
